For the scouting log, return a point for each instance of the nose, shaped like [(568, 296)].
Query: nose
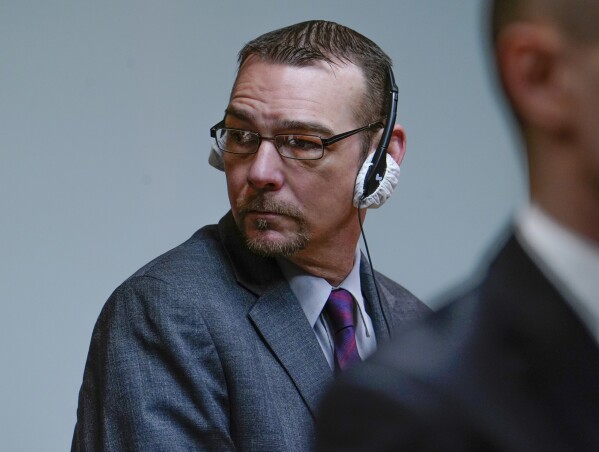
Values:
[(266, 169)]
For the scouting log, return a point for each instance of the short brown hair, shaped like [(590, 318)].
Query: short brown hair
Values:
[(318, 40)]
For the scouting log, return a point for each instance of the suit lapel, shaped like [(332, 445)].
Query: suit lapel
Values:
[(278, 317), (373, 307), (280, 320), (554, 350), (518, 295)]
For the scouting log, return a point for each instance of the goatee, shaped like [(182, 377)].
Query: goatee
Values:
[(260, 243)]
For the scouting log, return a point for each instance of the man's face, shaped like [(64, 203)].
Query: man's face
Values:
[(285, 206)]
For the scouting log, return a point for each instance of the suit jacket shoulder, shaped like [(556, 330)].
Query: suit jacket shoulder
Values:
[(203, 348), (503, 367), (207, 348)]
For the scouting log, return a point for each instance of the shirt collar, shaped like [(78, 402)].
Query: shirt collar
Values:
[(312, 291), (570, 261)]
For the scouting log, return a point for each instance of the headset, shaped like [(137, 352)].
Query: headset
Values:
[(377, 168), (378, 163)]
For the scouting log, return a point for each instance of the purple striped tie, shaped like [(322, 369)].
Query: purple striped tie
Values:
[(340, 307)]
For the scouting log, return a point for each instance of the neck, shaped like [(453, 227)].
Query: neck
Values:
[(565, 186), (330, 263), (579, 215)]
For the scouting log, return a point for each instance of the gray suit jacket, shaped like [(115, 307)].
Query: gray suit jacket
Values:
[(207, 348)]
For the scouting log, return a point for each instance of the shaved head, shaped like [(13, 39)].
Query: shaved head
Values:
[(579, 19)]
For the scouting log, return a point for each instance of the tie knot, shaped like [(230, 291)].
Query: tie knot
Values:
[(340, 307)]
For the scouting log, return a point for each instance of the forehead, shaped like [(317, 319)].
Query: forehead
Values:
[(266, 93)]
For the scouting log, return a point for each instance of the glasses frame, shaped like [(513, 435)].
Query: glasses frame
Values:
[(324, 141)]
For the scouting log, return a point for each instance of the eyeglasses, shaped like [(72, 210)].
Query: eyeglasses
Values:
[(292, 146)]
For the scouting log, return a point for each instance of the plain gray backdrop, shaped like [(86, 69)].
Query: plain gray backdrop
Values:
[(104, 115)]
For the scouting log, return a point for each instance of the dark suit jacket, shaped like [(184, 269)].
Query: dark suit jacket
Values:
[(206, 348), (508, 367)]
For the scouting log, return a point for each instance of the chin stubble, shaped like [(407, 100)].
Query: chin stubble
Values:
[(271, 248)]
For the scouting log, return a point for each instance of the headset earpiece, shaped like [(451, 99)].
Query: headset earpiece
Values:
[(378, 163)]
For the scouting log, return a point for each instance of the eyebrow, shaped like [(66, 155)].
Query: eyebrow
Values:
[(285, 124)]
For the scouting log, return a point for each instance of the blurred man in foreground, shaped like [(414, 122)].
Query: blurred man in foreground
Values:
[(513, 365)]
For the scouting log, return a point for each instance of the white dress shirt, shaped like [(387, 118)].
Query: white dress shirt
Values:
[(313, 292), (569, 261)]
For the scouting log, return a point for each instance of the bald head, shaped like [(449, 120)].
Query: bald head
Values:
[(531, 37), (579, 19), (547, 55)]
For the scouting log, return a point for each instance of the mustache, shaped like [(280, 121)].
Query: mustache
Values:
[(261, 204)]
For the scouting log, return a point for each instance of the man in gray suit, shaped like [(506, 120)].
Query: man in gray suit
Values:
[(225, 343)]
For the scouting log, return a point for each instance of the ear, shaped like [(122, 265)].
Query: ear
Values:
[(531, 60), (397, 144)]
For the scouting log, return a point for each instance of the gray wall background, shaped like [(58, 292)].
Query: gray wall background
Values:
[(104, 116)]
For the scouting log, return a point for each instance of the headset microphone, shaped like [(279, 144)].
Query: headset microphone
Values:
[(378, 163)]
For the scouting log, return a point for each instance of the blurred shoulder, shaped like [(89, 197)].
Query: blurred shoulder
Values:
[(429, 347)]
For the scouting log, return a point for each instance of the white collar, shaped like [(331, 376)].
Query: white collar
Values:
[(569, 260)]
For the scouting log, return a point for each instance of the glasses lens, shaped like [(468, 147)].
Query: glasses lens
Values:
[(237, 141), (300, 147)]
